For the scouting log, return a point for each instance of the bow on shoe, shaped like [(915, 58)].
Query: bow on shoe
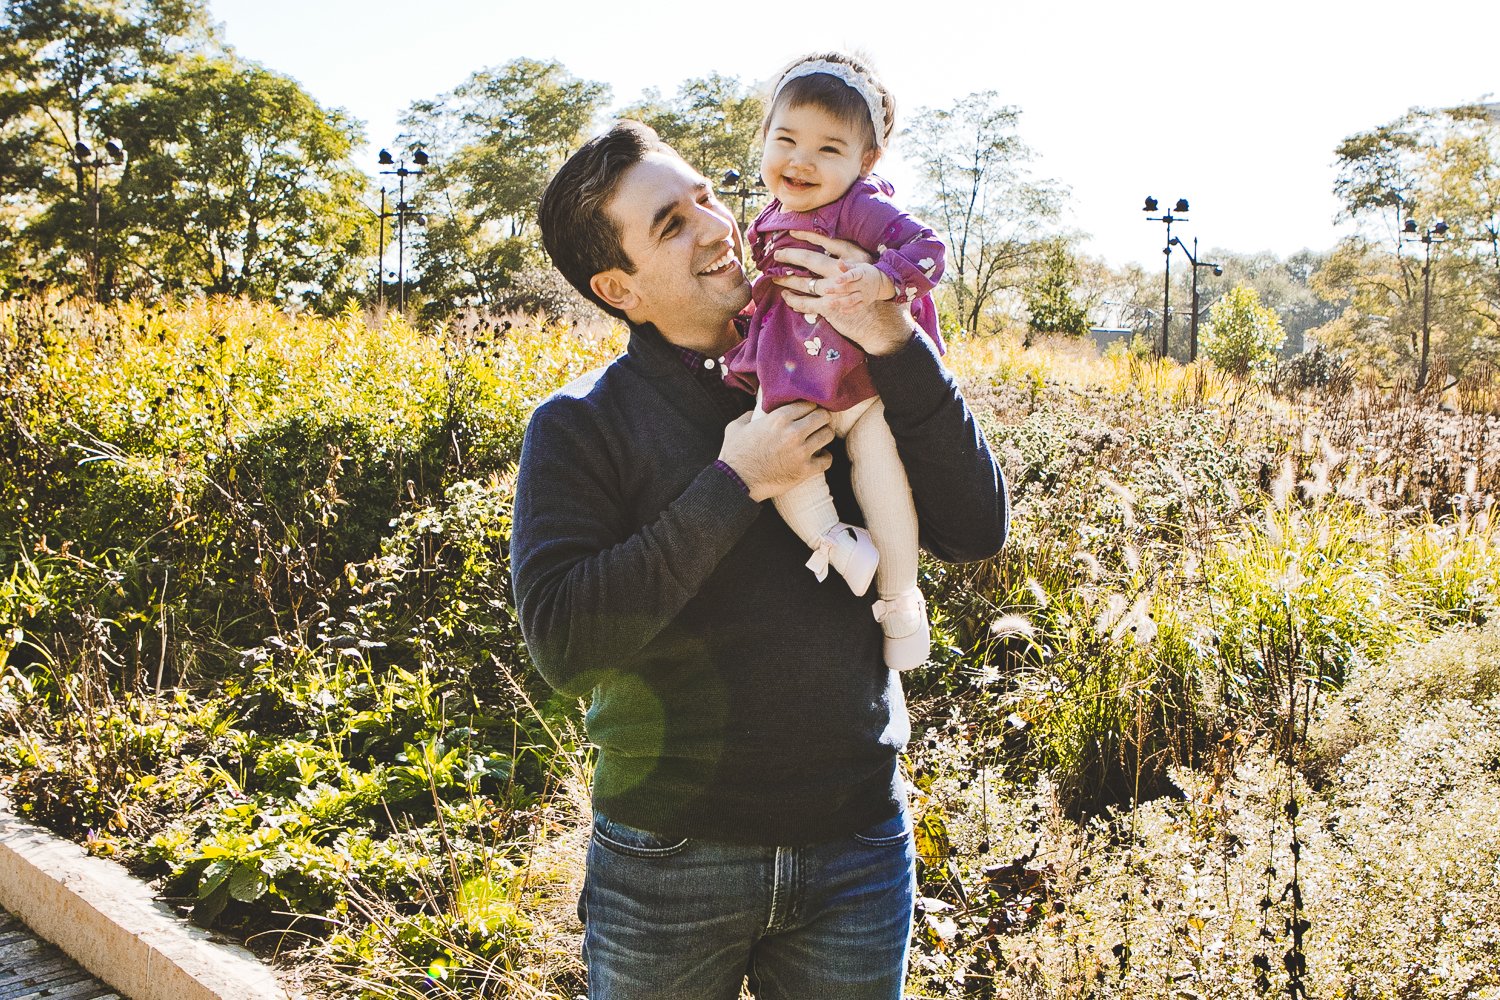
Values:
[(821, 554), (907, 604)]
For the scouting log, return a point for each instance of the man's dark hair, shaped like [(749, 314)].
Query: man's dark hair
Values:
[(579, 235)]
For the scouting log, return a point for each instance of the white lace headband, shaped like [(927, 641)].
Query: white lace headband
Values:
[(848, 74)]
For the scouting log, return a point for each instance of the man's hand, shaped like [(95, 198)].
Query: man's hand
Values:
[(880, 327), (779, 450)]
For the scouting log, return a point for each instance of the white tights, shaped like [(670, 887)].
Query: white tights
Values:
[(880, 487)]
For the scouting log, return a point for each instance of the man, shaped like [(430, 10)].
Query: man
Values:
[(749, 816)]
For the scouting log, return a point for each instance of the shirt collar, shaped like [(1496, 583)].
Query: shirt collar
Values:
[(698, 362)]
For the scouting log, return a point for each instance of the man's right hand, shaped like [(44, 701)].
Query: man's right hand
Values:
[(779, 450)]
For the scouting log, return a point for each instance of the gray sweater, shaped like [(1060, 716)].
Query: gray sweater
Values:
[(734, 697)]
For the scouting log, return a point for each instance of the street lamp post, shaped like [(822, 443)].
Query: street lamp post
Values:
[(734, 187), (1193, 322), (402, 212), (1438, 233), (87, 159), (1181, 208)]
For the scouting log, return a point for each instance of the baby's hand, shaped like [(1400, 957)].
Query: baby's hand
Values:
[(858, 285)]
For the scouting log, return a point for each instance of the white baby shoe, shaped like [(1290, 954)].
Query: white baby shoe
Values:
[(849, 550), (908, 639)]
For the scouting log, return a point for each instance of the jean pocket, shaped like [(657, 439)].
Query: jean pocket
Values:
[(634, 842), (890, 832)]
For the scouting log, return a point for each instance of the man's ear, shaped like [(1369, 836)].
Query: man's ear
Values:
[(616, 289)]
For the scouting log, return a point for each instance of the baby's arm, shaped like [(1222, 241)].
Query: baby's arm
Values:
[(909, 255), (858, 285)]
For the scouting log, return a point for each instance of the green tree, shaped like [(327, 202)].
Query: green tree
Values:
[(495, 141), (68, 71), (714, 122), (1242, 336), (984, 203), (243, 185), (1050, 302), (1464, 166), (1410, 306)]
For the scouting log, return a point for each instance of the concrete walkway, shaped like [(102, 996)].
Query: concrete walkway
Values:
[(32, 969)]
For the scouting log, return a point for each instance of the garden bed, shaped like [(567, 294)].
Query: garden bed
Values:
[(257, 642)]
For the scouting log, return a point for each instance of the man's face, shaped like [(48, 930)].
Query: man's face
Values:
[(688, 281)]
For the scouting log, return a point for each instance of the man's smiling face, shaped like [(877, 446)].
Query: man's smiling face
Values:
[(689, 280)]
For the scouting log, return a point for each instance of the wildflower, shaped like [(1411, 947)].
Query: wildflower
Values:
[(1089, 563), (1281, 487), (1114, 609), (1274, 534), (1316, 487), (1332, 457), (1136, 623), (1125, 496), (1038, 592), (1012, 625)]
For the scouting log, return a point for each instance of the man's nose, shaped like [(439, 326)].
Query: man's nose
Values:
[(713, 226)]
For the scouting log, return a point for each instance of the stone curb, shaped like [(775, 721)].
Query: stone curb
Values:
[(112, 925)]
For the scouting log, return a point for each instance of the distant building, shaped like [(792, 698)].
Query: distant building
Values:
[(1103, 336)]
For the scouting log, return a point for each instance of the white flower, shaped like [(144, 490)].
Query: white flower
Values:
[(1012, 625), (814, 345), (1136, 623)]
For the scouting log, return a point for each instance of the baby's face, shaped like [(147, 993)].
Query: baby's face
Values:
[(812, 157)]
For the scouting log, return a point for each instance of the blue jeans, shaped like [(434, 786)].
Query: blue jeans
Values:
[(691, 919)]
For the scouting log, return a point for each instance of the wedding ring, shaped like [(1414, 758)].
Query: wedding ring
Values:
[(813, 287)]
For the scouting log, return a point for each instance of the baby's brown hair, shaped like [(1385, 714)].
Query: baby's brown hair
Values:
[(830, 93)]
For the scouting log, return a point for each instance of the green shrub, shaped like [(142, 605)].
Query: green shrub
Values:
[(1242, 335)]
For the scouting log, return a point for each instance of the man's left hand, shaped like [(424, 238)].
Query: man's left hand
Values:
[(877, 327)]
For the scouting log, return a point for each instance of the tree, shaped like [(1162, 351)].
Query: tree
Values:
[(67, 70), (1465, 169), (715, 123), (1242, 335), (1283, 285), (987, 208), (495, 141), (1050, 302), (1412, 306), (242, 185)]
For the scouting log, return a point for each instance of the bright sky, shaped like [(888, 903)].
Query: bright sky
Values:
[(1236, 107)]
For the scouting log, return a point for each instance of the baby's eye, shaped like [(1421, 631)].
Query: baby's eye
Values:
[(785, 140), (831, 149)]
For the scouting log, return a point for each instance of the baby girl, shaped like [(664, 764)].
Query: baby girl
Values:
[(828, 124)]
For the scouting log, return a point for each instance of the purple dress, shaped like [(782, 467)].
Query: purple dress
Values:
[(789, 358)]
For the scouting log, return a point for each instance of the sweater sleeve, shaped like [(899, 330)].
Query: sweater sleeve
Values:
[(908, 252), (962, 504), (592, 589)]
